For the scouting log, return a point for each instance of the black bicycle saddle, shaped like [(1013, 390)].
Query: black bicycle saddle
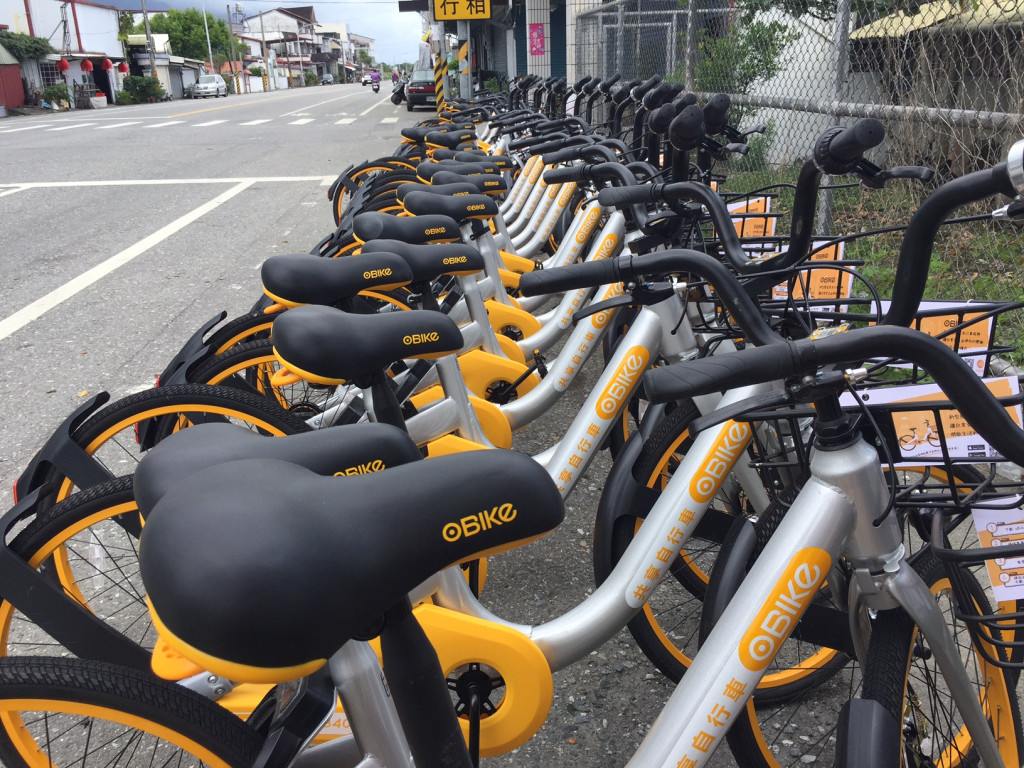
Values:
[(260, 569), (489, 184), (428, 262), (346, 450), (328, 346), (409, 229), (295, 279), (462, 208)]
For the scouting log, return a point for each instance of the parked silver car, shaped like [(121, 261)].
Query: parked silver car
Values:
[(210, 85)]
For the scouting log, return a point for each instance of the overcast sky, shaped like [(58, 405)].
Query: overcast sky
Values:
[(396, 35)]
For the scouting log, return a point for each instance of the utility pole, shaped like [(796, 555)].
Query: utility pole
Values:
[(266, 56), (206, 26), (231, 37), (149, 40)]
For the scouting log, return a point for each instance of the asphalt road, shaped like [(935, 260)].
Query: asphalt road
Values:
[(123, 230)]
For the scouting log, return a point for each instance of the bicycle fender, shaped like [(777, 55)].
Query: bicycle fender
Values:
[(868, 736), (623, 496), (728, 572), (63, 454)]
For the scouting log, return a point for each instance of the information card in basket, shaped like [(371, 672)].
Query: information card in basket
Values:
[(921, 433)]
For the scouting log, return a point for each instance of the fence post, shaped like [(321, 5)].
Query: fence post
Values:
[(619, 33), (691, 43)]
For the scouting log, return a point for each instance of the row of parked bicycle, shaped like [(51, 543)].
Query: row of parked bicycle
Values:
[(323, 479)]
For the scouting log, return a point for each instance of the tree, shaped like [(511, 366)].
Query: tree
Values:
[(364, 57), (187, 34)]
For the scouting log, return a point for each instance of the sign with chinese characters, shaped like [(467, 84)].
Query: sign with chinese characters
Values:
[(1001, 524), (921, 438), (453, 10), (536, 36)]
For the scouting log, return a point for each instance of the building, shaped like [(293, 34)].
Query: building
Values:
[(80, 30)]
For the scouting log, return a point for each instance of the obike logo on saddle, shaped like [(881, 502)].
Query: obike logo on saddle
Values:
[(495, 183), (588, 225), (420, 338), (454, 260), (790, 598), (723, 454), (607, 247), (618, 389), (479, 207), (362, 469), (435, 231), (375, 273), (471, 525)]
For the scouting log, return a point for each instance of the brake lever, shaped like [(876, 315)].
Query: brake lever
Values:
[(640, 295), (874, 177), (796, 392)]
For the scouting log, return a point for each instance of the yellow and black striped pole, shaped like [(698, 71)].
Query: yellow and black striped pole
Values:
[(440, 68)]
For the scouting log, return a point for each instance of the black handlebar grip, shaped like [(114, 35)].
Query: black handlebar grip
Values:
[(575, 173), (605, 86), (715, 113), (621, 196), (661, 118), (687, 128), (639, 91), (714, 374), (581, 82), (561, 155), (837, 150), (585, 275), (622, 94), (686, 100), (658, 96)]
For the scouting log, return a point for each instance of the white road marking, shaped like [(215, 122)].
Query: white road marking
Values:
[(18, 189), (40, 306), (346, 121), (320, 104), (209, 122), (161, 125), (256, 122), (117, 125), (161, 182), (69, 127), (390, 120), (365, 111), (27, 128), (303, 121)]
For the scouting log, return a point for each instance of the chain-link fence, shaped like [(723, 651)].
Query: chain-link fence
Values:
[(942, 76)]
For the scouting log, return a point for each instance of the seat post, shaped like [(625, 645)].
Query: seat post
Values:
[(420, 692)]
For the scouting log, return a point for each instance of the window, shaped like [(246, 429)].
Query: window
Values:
[(50, 75)]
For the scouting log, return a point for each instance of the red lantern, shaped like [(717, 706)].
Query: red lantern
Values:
[(63, 66), (122, 67), (107, 65), (86, 65)]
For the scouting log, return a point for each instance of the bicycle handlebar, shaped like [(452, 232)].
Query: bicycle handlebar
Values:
[(630, 268), (715, 113), (838, 149), (687, 128), (792, 358)]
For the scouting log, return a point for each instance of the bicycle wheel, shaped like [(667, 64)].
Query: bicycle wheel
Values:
[(58, 713), (249, 367), (248, 327), (667, 628), (117, 435), (88, 544), (901, 674), (802, 730)]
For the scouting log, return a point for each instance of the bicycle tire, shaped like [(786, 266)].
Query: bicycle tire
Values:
[(902, 676), (63, 712), (110, 435)]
